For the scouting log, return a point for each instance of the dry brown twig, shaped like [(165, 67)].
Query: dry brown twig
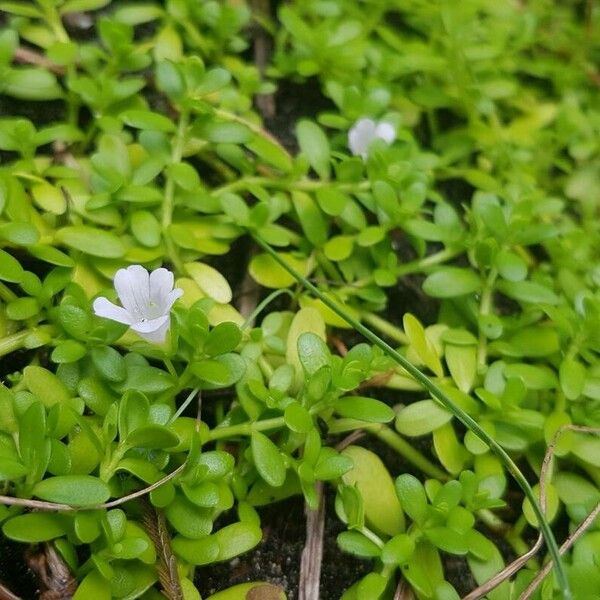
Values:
[(312, 553), (531, 588), (31, 57), (6, 594), (517, 564), (54, 506), (57, 581)]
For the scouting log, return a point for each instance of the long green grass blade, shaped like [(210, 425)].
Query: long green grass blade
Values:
[(437, 393)]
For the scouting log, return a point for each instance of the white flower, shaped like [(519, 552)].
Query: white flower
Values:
[(147, 299), (365, 131)]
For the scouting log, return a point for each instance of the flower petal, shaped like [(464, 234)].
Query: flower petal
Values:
[(171, 297), (156, 335), (360, 136), (133, 287), (150, 325), (103, 307), (161, 283), (386, 132)]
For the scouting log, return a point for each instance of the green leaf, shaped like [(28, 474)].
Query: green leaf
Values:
[(527, 291), (11, 470), (311, 219), (197, 552), (21, 9), (450, 282), (31, 83), (268, 460), (421, 417), (75, 490), (188, 519), (109, 363), (312, 352), (36, 527), (146, 119), (22, 309), (270, 152), (511, 266), (297, 418), (237, 538), (49, 198), (265, 270), (412, 497), (90, 240), (145, 228), (356, 543), (398, 550), (71, 6), (45, 386), (94, 585), (339, 247), (21, 234), (572, 378), (381, 505), (315, 146), (421, 345), (331, 465), (462, 364), (169, 79), (211, 371), (364, 409), (185, 176), (226, 133), (210, 281), (152, 436), (10, 268), (223, 338)]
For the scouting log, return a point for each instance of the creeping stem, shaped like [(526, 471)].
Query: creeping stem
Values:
[(167, 208)]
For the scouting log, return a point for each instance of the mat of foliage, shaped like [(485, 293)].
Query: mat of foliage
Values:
[(174, 395)]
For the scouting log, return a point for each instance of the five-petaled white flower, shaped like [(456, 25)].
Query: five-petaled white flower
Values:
[(365, 131), (147, 299)]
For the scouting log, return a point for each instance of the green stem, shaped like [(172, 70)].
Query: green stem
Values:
[(372, 536), (185, 404), (16, 341), (253, 127), (244, 428), (53, 19), (485, 308), (391, 331), (265, 367), (168, 202), (407, 450), (458, 412), (414, 266), (263, 305), (304, 185)]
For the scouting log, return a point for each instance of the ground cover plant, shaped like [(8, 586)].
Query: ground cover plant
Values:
[(331, 254)]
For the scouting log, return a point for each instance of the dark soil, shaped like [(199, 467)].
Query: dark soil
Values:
[(14, 572)]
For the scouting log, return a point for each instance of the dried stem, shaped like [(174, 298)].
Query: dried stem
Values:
[(586, 523), (312, 554), (513, 567), (6, 594), (31, 57), (57, 581), (54, 506), (262, 49)]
